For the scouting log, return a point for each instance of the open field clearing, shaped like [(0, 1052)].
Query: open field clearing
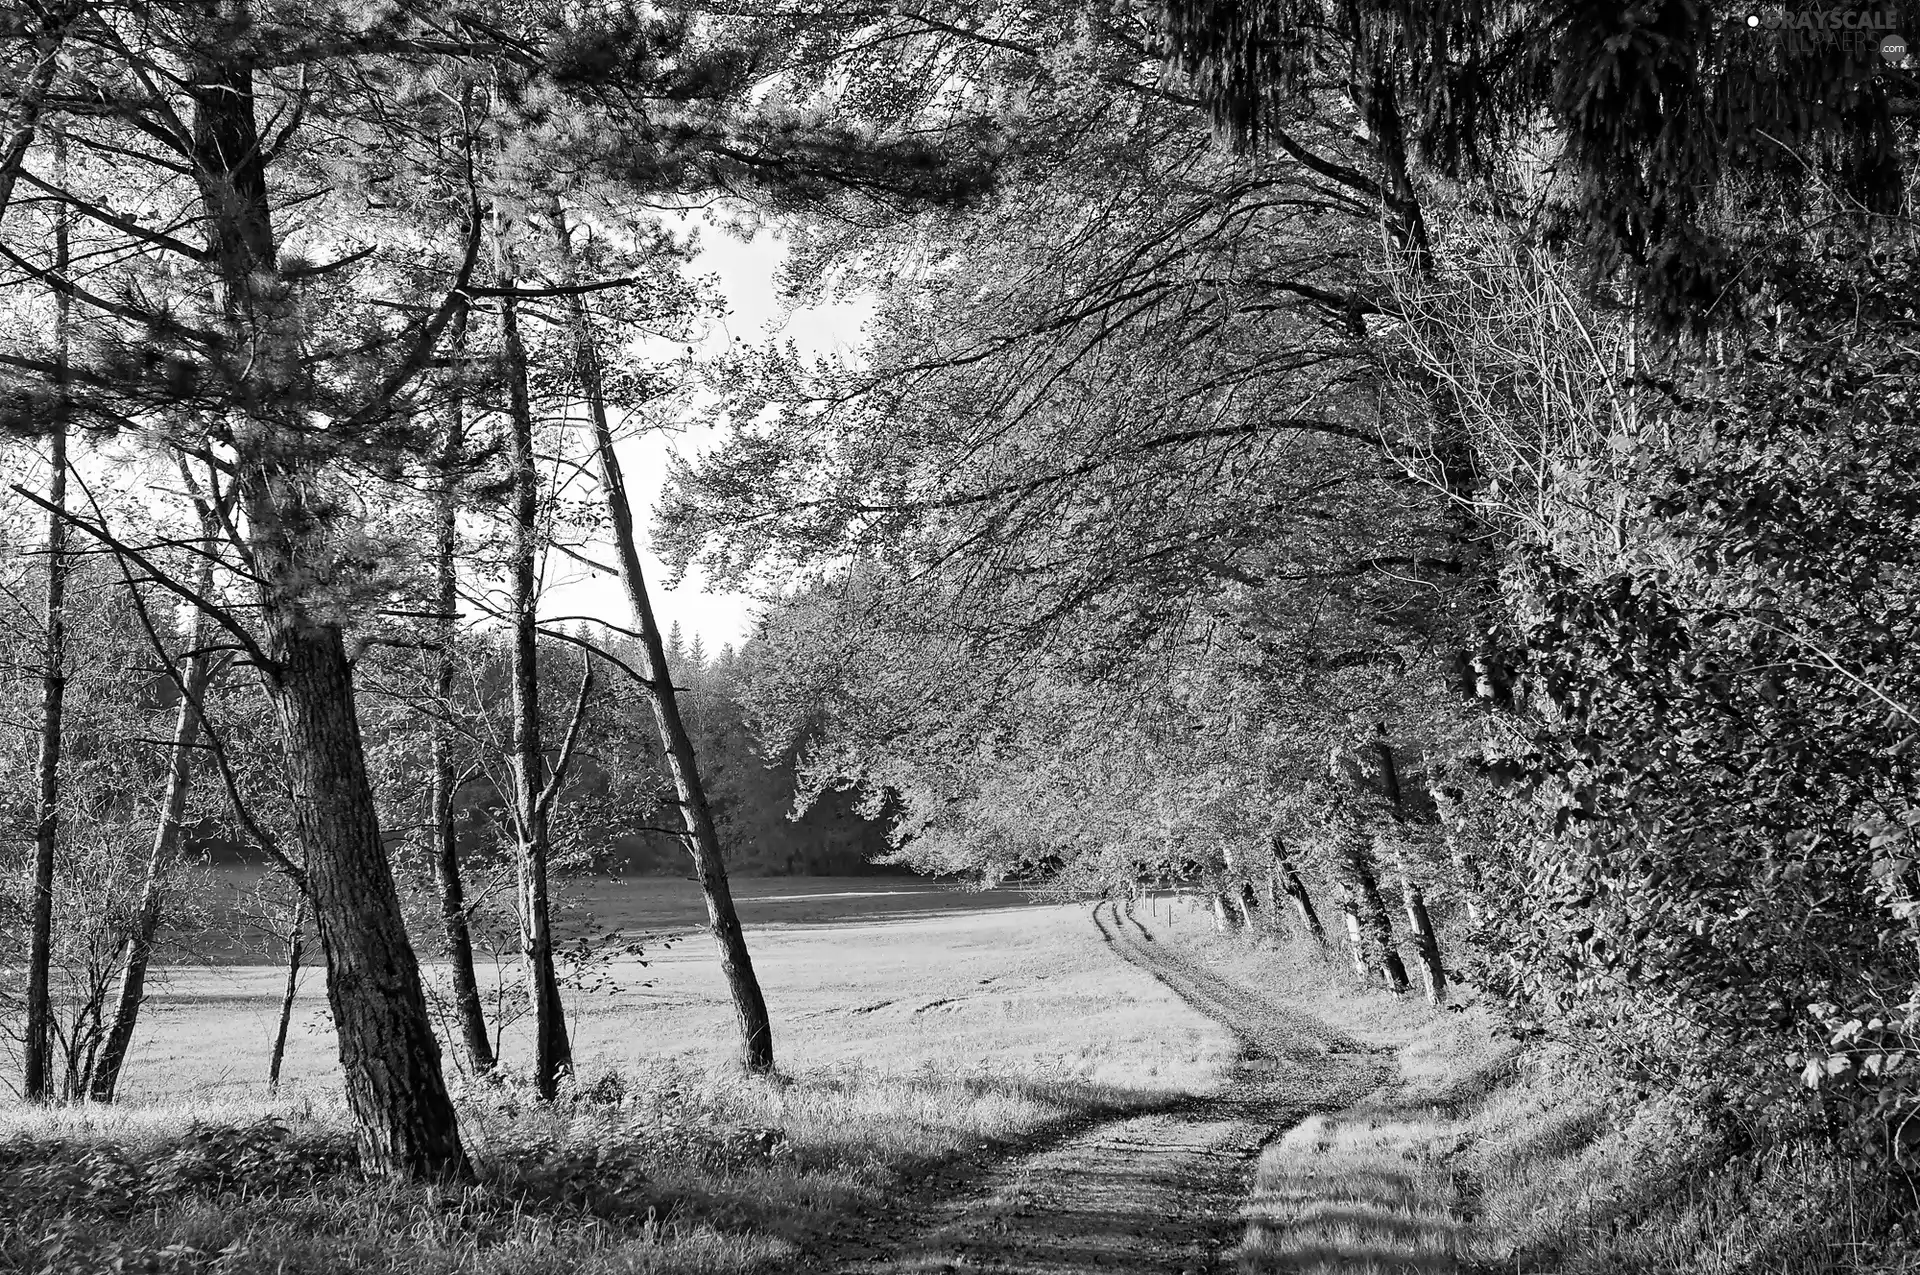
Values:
[(1023, 989), (918, 1052), (1044, 1089), (640, 906)]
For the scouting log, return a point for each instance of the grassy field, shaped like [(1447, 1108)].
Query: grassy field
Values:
[(855, 970), (910, 1042), (921, 1040)]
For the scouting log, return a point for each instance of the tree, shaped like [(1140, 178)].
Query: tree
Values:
[(282, 373), (443, 791), (190, 682), (1633, 95), (37, 1083), (655, 677)]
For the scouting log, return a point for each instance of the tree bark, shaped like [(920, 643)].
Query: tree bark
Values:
[(703, 841), (389, 1056), (1356, 938), (37, 1081), (1225, 918), (552, 1052), (1367, 908), (295, 938), (1466, 867), (1249, 907), (160, 859), (388, 1053), (1426, 943), (443, 786), (1288, 882)]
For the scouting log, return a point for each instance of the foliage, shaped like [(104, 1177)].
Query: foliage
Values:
[(1711, 853)]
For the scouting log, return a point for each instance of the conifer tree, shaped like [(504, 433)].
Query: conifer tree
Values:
[(282, 353)]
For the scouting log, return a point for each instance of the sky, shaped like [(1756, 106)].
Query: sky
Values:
[(746, 271)]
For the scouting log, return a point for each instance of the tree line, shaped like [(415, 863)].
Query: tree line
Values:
[(1412, 462)]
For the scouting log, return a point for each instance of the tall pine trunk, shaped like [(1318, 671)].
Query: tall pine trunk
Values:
[(703, 840), (37, 1083), (551, 1049), (442, 784), (389, 1057), (192, 684)]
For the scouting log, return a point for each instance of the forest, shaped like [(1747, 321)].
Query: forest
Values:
[(1410, 512)]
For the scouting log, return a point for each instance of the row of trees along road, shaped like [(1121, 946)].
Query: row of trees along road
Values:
[(1458, 451), (308, 287)]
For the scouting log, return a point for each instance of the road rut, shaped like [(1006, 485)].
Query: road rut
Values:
[(1159, 1192)]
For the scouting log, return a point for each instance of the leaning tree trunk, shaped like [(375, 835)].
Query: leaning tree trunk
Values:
[(703, 840), (552, 1052), (37, 1082), (1287, 881), (160, 859), (389, 1056), (1226, 918), (1425, 941), (1242, 905), (1368, 909), (295, 940), (442, 784)]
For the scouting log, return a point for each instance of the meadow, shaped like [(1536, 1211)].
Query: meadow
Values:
[(933, 1047), (917, 1045)]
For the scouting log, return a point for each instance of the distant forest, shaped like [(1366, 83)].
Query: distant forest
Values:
[(621, 779)]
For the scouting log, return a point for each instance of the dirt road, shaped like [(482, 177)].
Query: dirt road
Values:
[(1153, 1193)]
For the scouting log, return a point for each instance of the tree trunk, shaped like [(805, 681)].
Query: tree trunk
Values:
[(1225, 918), (160, 860), (552, 1052), (1249, 907), (703, 841), (1288, 882), (389, 1056), (1426, 943), (1356, 939), (442, 790), (1466, 867), (294, 942), (37, 1046), (1362, 895)]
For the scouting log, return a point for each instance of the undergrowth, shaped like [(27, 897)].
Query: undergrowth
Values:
[(1489, 1158)]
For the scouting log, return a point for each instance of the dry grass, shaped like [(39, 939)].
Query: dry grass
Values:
[(906, 1045), (1484, 1160), (1359, 1196)]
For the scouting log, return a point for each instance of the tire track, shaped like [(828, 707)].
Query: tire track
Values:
[(1143, 1194)]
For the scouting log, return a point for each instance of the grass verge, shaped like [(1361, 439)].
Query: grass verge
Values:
[(1487, 1159)]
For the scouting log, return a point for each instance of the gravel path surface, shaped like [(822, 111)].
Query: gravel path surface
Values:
[(1157, 1193)]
